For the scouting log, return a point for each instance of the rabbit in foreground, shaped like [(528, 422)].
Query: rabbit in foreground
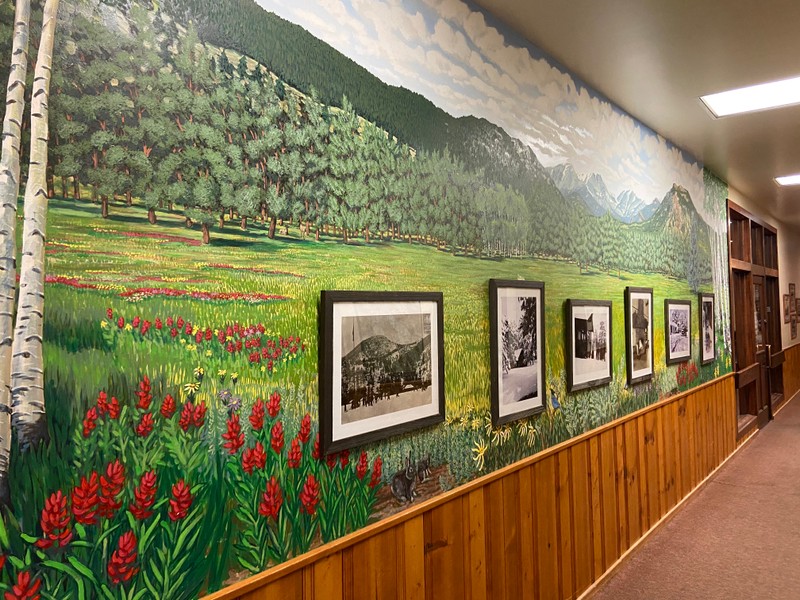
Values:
[(404, 482)]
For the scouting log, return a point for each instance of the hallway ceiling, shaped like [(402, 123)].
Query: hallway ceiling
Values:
[(655, 59)]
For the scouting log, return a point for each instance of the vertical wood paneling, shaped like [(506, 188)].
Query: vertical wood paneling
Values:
[(609, 498), (565, 535), (582, 513), (544, 483), (546, 530)]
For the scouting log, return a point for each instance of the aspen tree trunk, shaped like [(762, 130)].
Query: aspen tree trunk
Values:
[(27, 369), (9, 191)]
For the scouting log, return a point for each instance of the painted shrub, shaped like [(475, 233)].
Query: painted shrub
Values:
[(211, 170)]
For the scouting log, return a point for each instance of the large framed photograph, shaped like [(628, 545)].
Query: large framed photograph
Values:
[(381, 365), (708, 347), (639, 333), (678, 330), (589, 361), (516, 329)]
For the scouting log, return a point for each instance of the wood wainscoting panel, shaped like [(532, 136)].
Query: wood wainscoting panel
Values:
[(545, 528)]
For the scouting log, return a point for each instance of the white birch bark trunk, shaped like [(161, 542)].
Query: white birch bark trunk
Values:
[(27, 369), (9, 191)]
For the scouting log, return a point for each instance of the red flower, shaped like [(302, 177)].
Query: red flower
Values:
[(234, 438), (111, 487), (170, 322), (270, 365), (331, 460), (199, 415), (362, 466), (145, 326), (2, 561), (55, 522), (114, 408), (90, 421), (271, 500), (209, 334), (136, 321), (254, 458), (295, 454), (255, 357), (109, 313), (198, 338), (239, 346), (168, 407), (344, 458), (309, 496), (120, 322), (102, 403), (257, 415), (274, 405), (173, 332), (315, 454), (159, 324), (144, 395), (179, 322), (305, 429), (144, 496), (221, 336), (377, 467), (185, 420), (121, 565), (181, 501), (85, 500), (277, 437), (188, 329), (23, 589), (145, 425)]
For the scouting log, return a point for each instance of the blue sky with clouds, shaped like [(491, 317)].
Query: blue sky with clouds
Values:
[(449, 52)]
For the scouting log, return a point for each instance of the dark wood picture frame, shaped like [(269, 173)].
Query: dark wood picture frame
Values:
[(588, 345), (634, 347), (674, 357), (365, 310), (525, 406), (704, 326)]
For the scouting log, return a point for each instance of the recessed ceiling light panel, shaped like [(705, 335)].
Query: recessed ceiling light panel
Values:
[(789, 179), (764, 96)]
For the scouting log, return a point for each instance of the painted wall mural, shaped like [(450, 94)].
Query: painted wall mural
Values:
[(212, 166)]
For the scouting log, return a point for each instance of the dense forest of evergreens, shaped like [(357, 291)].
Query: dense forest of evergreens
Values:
[(164, 118)]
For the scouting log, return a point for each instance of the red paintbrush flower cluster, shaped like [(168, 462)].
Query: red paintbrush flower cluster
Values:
[(121, 566), (234, 438), (295, 454), (69, 281), (168, 407), (687, 373), (145, 426), (111, 484), (181, 501), (377, 468), (271, 500), (144, 496), (55, 522), (192, 415), (276, 437), (143, 393), (309, 496), (254, 458), (257, 415), (305, 429), (274, 405), (85, 500), (90, 421), (362, 466), (25, 588)]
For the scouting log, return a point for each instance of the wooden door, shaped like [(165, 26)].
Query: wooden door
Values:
[(763, 349)]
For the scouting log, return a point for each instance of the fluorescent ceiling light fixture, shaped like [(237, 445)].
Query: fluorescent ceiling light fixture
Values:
[(763, 96), (789, 179)]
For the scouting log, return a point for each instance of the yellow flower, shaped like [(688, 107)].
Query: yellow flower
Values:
[(183, 341), (263, 368), (104, 324), (209, 353), (195, 329), (128, 327), (222, 373), (478, 452), (191, 347), (216, 332), (228, 338)]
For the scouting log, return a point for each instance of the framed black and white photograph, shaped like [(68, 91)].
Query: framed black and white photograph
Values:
[(787, 310), (589, 356), (516, 330), (794, 326), (708, 349), (639, 333), (381, 365), (678, 330), (792, 300)]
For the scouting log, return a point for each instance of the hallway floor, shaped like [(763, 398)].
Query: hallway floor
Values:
[(737, 538)]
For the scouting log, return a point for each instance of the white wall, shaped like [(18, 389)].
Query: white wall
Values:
[(788, 258)]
